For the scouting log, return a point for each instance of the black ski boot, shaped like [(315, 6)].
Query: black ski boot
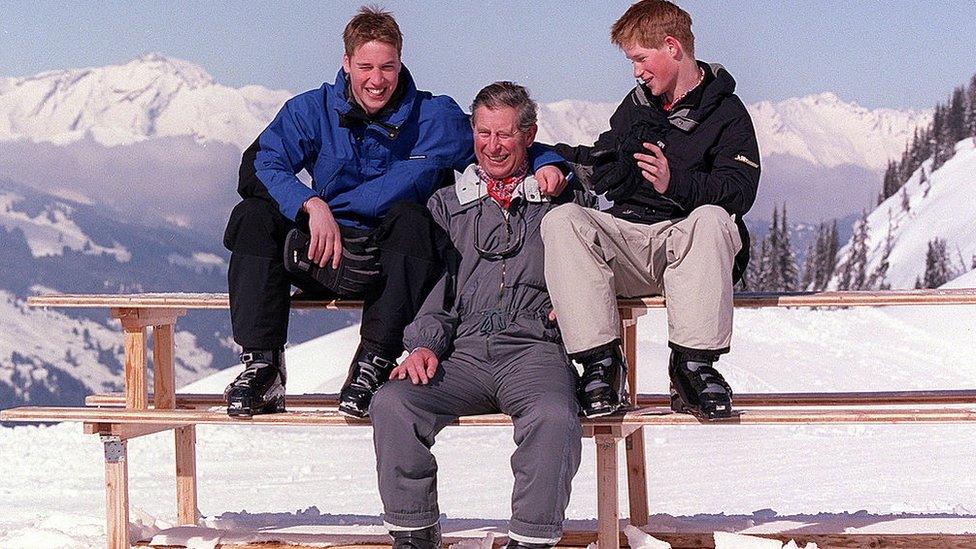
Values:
[(516, 544), (426, 538), (260, 388), (602, 387), (366, 373), (698, 389)]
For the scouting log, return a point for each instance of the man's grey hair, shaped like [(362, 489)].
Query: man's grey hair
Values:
[(507, 94)]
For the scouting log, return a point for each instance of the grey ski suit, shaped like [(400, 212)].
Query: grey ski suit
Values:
[(487, 321)]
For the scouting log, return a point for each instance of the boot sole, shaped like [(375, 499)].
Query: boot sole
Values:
[(245, 410), (352, 413)]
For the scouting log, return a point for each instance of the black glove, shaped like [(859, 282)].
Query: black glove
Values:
[(615, 176), (358, 267)]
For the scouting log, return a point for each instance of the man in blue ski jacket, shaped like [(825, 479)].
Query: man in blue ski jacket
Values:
[(376, 148)]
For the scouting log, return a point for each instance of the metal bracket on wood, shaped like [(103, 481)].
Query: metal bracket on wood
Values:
[(114, 449)]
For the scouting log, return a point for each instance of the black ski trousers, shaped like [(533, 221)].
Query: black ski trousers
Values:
[(410, 251)]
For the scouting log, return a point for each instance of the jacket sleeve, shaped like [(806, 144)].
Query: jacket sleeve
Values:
[(733, 179), (584, 158), (435, 325), (283, 149)]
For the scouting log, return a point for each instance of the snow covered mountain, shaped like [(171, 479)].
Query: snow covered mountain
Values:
[(148, 97), (55, 244), (822, 155), (933, 204)]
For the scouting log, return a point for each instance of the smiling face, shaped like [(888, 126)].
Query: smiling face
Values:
[(657, 67), (374, 71), (499, 145)]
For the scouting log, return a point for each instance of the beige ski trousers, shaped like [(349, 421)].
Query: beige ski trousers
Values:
[(592, 257)]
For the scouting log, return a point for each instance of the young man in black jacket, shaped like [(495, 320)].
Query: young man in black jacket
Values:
[(681, 165)]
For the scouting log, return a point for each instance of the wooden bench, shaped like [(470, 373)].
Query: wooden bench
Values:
[(116, 418)]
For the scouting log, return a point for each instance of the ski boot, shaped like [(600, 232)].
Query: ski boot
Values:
[(601, 389), (425, 538), (260, 388), (366, 373), (698, 389)]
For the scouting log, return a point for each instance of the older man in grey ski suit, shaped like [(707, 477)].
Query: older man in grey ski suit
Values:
[(485, 342)]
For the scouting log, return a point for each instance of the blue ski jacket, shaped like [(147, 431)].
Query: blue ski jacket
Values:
[(361, 167)]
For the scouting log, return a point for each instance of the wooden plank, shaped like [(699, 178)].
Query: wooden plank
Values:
[(171, 301), (186, 475), (136, 392), (679, 540), (143, 317), (607, 493), (636, 478), (117, 494), (615, 424), (124, 431), (879, 398), (164, 382), (952, 296)]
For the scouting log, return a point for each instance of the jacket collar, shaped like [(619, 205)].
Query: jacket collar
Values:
[(697, 105), (394, 116), (469, 189)]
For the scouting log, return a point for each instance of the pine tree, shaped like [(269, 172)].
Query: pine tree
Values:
[(956, 119), (771, 275), (852, 274), (830, 255), (826, 263), (971, 107), (810, 262), (905, 205), (764, 278), (748, 281), (938, 270), (786, 257), (938, 137), (892, 181), (879, 277)]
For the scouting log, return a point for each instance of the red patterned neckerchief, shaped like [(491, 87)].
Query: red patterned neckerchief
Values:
[(501, 189)]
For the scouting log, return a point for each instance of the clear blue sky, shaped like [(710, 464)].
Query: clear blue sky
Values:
[(894, 53)]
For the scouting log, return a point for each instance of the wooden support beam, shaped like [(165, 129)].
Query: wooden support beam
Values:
[(607, 504), (136, 391), (636, 478), (116, 492), (143, 317), (186, 475), (164, 382)]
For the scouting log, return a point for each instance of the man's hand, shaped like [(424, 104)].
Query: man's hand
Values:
[(654, 167), (420, 365), (551, 180), (326, 242)]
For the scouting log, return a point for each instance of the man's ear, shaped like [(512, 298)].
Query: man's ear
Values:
[(674, 48), (531, 135), (346, 65)]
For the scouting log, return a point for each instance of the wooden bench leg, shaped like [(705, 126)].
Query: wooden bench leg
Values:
[(136, 391), (164, 382), (607, 505), (636, 474), (186, 475), (636, 478), (116, 492)]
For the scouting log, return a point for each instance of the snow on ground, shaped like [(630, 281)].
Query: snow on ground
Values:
[(750, 479)]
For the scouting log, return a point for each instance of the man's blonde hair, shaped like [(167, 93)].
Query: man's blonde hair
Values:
[(372, 23), (648, 22)]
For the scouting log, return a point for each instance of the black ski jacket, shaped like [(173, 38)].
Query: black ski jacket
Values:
[(710, 144)]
